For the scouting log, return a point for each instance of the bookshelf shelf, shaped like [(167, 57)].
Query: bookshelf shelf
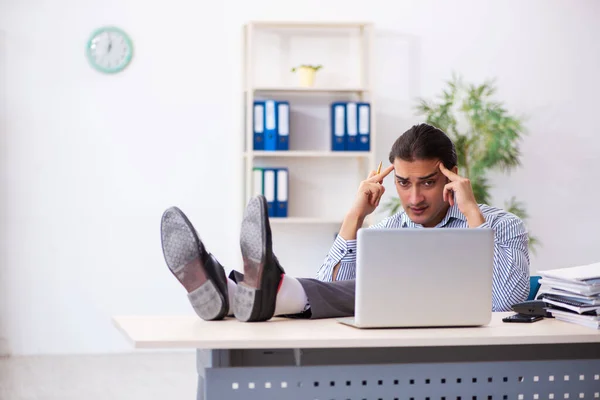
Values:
[(310, 154), (309, 24), (313, 90)]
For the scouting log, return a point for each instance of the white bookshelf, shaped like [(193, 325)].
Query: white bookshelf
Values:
[(357, 163)]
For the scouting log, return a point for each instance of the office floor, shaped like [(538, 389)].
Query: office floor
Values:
[(133, 377)]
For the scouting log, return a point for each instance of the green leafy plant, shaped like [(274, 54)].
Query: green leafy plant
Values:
[(485, 134), (313, 67)]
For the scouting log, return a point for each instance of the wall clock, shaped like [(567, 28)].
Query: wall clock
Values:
[(109, 50)]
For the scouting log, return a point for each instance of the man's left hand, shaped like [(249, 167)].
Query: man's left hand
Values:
[(459, 190)]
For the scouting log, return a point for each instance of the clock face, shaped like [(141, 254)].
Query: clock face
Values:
[(109, 50)]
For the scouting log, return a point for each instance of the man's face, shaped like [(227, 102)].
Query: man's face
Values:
[(420, 185)]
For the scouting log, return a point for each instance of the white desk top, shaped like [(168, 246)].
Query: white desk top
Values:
[(192, 332)]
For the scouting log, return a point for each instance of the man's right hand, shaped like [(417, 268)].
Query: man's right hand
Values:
[(369, 194), (367, 199)]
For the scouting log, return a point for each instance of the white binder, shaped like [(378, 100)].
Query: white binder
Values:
[(352, 126), (282, 193), (269, 187)]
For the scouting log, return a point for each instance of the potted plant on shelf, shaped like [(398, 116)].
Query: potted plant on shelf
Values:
[(486, 137), (307, 74)]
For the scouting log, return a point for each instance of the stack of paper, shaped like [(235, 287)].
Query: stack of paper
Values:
[(573, 294)]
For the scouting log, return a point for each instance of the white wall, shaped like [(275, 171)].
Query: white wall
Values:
[(89, 162)]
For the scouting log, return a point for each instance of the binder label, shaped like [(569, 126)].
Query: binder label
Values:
[(339, 121), (282, 181), (269, 185), (270, 119), (258, 182), (351, 119), (259, 123), (363, 119), (284, 119)]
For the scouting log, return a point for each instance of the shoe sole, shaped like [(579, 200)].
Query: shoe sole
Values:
[(207, 302), (182, 246), (256, 304)]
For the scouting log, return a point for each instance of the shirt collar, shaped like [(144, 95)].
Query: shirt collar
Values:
[(453, 212)]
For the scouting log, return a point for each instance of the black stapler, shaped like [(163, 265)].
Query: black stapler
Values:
[(532, 307)]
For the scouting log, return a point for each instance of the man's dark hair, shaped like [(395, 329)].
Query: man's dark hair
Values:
[(424, 142)]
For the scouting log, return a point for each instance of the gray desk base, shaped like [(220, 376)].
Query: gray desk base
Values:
[(562, 371)]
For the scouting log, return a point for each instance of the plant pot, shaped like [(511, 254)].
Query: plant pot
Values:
[(307, 76)]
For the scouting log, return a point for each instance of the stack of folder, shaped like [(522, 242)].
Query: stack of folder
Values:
[(271, 125), (573, 294), (273, 184), (350, 126)]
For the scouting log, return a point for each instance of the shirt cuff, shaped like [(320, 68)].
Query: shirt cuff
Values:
[(343, 250), (484, 225)]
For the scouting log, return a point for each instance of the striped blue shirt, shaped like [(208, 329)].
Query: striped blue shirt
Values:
[(510, 283)]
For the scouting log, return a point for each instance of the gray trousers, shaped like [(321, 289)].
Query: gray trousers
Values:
[(326, 299), (329, 299)]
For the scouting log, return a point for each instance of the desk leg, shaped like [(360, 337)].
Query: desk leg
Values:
[(206, 359)]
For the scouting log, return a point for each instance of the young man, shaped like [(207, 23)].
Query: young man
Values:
[(432, 195)]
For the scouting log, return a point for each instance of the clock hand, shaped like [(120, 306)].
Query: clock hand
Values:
[(109, 44)]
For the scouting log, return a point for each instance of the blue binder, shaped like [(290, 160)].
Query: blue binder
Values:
[(338, 126), (259, 125), (270, 188), (282, 185), (283, 125), (364, 126), (270, 125), (351, 127)]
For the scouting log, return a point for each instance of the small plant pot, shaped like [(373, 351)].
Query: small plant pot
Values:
[(307, 76)]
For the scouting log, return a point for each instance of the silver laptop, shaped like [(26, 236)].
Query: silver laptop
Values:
[(423, 278)]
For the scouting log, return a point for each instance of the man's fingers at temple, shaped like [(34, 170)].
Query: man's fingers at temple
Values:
[(379, 177), (449, 174)]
